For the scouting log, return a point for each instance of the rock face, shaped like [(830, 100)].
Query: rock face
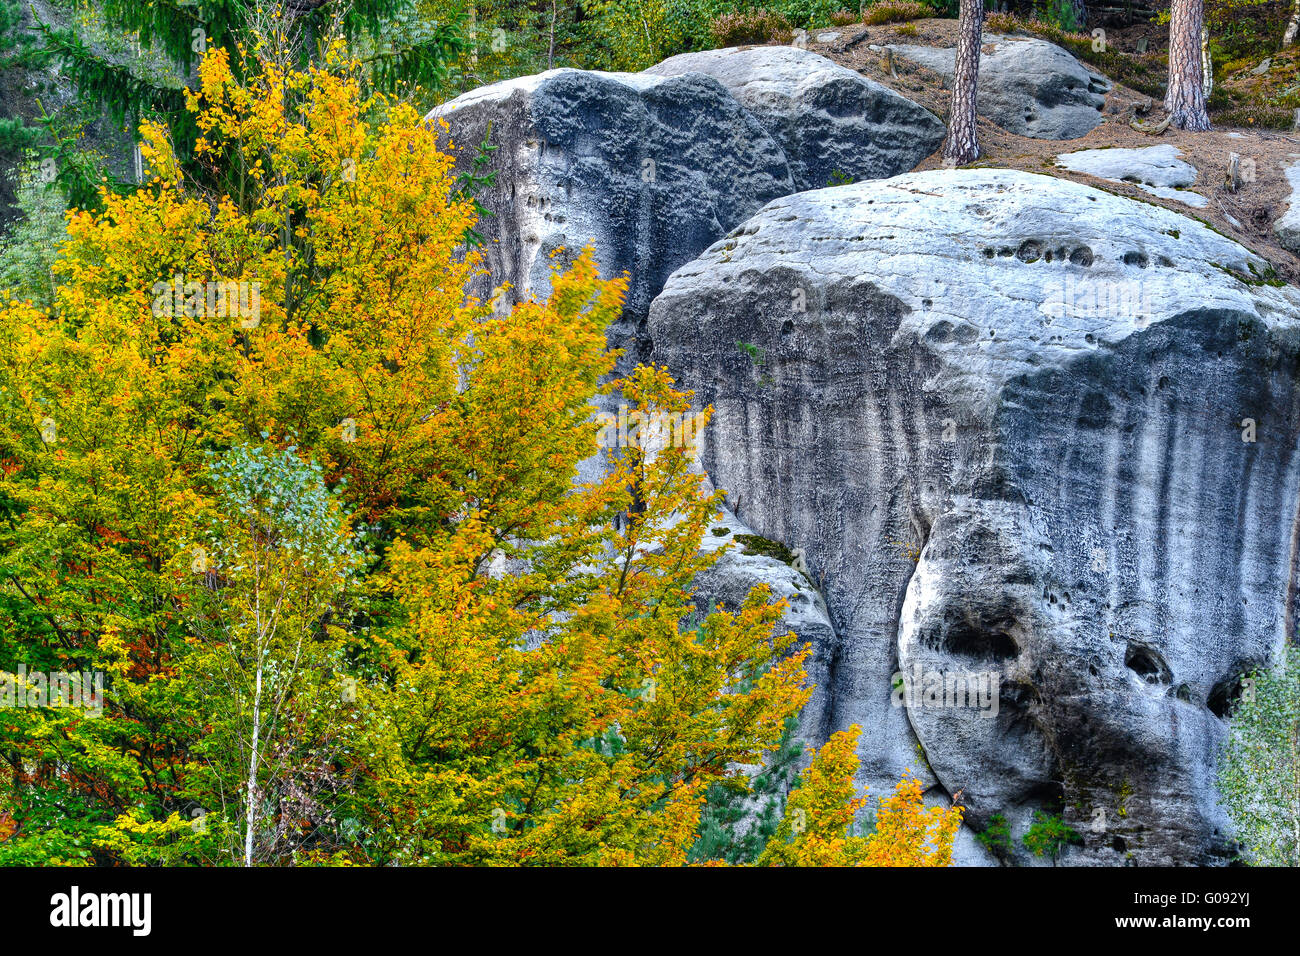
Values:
[(1027, 86), (828, 119), (743, 566), (1039, 446), (1154, 169), (1287, 227), (651, 169)]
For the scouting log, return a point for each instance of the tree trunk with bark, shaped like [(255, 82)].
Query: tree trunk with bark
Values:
[(1185, 99), (1292, 25), (962, 145)]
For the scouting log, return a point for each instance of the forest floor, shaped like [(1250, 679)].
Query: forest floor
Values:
[(1254, 205)]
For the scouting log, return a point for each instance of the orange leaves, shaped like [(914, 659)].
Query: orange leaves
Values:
[(908, 833), (820, 812)]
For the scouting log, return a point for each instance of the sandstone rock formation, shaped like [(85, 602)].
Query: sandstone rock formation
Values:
[(1027, 86), (651, 169), (829, 120), (1153, 169), (1026, 432)]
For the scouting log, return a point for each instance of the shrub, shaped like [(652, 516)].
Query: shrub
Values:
[(1259, 772), (1048, 835), (996, 837), (760, 26), (895, 11), (842, 18)]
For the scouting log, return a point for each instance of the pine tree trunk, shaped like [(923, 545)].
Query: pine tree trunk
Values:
[(962, 146), (1185, 99)]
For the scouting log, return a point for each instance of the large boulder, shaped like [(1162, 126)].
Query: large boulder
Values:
[(1027, 86), (651, 169), (1037, 443), (828, 119)]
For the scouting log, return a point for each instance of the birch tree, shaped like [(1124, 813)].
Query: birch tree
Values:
[(276, 565)]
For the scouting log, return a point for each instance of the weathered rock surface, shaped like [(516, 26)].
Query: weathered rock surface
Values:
[(742, 567), (1003, 417), (1027, 86), (651, 169), (827, 118), (1287, 226), (1153, 169)]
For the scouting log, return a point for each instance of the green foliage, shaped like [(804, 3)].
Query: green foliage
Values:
[(27, 254), (132, 61), (266, 673), (1048, 835), (1259, 770), (736, 823), (757, 544), (996, 836), (1245, 28), (1061, 14), (470, 182), (635, 34)]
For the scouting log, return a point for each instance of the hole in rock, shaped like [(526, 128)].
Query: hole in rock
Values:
[(969, 640), (1224, 697), (1029, 251), (1147, 664)]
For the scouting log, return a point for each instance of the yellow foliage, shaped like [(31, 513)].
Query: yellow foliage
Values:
[(815, 830)]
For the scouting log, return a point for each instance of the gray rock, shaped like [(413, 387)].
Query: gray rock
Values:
[(827, 118), (1153, 165), (1153, 169), (1027, 86), (736, 573), (729, 581), (1287, 226), (649, 168), (1003, 416)]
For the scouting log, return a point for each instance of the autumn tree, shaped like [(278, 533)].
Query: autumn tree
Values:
[(962, 144), (1185, 96), (817, 829), (520, 674)]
